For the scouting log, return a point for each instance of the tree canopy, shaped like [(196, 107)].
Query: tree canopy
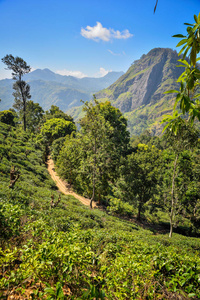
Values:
[(7, 117), (98, 148), (55, 128), (22, 90), (56, 112)]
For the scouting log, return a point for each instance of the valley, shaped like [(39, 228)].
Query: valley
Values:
[(99, 169), (49, 88), (105, 211), (139, 93)]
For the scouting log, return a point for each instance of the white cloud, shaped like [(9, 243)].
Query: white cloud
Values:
[(113, 53), (5, 74), (77, 74), (116, 54), (102, 72), (125, 34), (98, 32)]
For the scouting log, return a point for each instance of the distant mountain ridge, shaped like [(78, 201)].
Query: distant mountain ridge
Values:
[(49, 88)]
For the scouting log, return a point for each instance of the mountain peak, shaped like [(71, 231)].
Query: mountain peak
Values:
[(49, 88), (143, 86), (46, 70)]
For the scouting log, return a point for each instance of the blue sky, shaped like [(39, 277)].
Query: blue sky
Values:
[(89, 37)]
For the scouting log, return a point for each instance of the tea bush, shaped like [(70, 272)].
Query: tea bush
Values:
[(72, 252)]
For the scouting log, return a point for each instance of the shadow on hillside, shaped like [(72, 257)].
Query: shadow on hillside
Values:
[(158, 228)]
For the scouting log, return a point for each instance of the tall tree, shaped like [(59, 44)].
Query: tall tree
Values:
[(140, 176), (183, 137), (187, 97), (95, 144), (22, 90), (34, 115), (103, 140)]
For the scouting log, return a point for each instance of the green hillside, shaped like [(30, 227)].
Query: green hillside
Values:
[(73, 252), (137, 237), (48, 88), (141, 238), (139, 93)]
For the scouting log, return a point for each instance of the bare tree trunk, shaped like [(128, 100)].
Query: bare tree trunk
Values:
[(24, 113), (99, 199), (93, 193), (173, 202), (94, 174), (14, 176), (24, 105), (139, 211)]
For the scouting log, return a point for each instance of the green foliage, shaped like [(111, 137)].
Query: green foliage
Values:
[(56, 112), (18, 66), (191, 41), (34, 115), (69, 159), (73, 252), (57, 146), (56, 128), (140, 176), (120, 135), (97, 150), (10, 218), (22, 90), (188, 96), (91, 159), (7, 117), (118, 207), (181, 134)]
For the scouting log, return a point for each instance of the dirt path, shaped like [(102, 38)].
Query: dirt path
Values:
[(63, 186)]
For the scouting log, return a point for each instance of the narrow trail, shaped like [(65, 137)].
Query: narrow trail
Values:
[(63, 186)]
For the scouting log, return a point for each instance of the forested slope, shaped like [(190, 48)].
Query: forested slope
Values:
[(139, 93), (146, 189), (71, 252)]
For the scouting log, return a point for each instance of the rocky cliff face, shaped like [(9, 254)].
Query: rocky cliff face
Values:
[(139, 92)]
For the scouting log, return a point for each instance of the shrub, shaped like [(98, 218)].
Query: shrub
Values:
[(118, 207)]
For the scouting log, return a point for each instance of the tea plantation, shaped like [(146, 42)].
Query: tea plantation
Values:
[(73, 252)]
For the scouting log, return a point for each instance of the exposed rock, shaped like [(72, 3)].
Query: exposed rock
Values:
[(139, 92)]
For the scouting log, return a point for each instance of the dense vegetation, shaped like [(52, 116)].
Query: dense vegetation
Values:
[(150, 173), (72, 252), (140, 243)]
